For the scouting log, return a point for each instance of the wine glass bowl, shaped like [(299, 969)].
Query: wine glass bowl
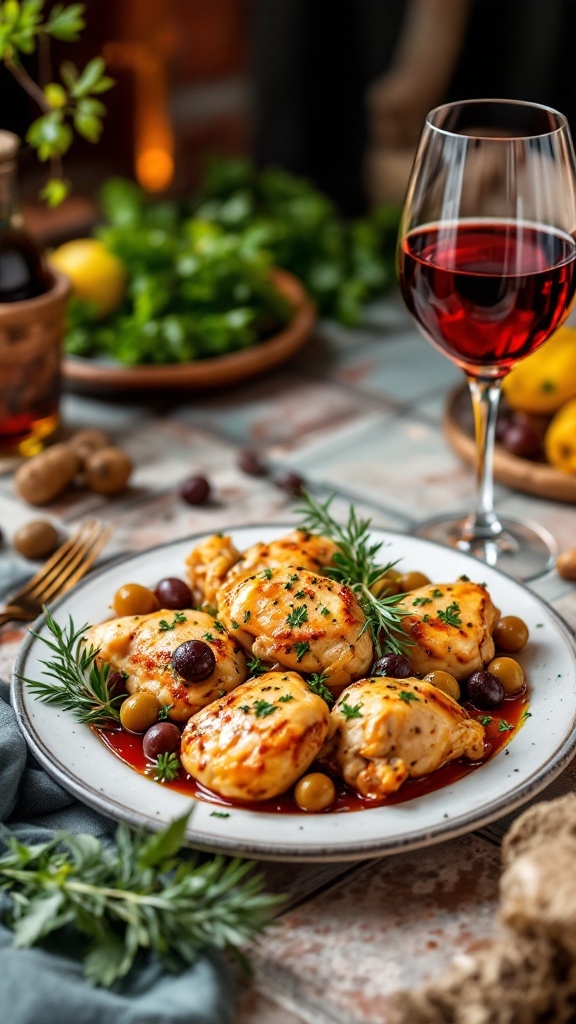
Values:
[(487, 268)]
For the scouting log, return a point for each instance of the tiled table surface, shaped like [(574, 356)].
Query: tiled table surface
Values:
[(356, 413)]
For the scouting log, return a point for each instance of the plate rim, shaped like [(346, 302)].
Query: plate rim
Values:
[(363, 849)]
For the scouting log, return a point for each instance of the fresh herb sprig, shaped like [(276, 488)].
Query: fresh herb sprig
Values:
[(138, 894), (74, 678), (355, 564)]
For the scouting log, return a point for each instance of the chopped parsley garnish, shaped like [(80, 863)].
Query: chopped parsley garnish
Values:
[(323, 610), (426, 618), (451, 617), (504, 726), (350, 711), (301, 646), (207, 636), (256, 666), (164, 626), (300, 594), (164, 712), (294, 577), (219, 814), (437, 593), (262, 708), (464, 578), (165, 768), (218, 625), (245, 708), (526, 714), (297, 616), (485, 720), (407, 696), (267, 573), (316, 684), (422, 600), (235, 624), (285, 698), (246, 616)]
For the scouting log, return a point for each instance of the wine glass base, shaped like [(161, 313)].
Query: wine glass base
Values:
[(523, 549)]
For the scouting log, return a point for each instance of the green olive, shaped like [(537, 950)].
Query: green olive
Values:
[(413, 581), (139, 712), (387, 585), (510, 674), (315, 792), (444, 681), (134, 599), (510, 634)]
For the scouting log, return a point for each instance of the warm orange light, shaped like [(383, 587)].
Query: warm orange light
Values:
[(154, 169)]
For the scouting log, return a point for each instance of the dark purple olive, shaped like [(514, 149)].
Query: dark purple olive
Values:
[(250, 462), (522, 439), (195, 490), (173, 593), (292, 483), (161, 738), (394, 665), (117, 685), (485, 690), (194, 661)]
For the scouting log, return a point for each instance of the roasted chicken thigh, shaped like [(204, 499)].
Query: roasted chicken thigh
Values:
[(451, 627), (383, 731), (301, 621), (142, 646), (256, 742)]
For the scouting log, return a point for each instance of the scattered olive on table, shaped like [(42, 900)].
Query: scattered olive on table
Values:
[(107, 470), (36, 539), (195, 490), (566, 564), (509, 672), (510, 634), (161, 738), (194, 660), (292, 483), (86, 441), (444, 681), (134, 599), (139, 712), (394, 665), (250, 462), (315, 792), (485, 691), (173, 593)]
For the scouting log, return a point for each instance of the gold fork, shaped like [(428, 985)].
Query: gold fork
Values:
[(66, 566)]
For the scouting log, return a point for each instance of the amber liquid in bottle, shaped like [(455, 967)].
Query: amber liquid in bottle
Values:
[(29, 361)]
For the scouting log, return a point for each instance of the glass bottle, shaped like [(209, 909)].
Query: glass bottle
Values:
[(32, 307)]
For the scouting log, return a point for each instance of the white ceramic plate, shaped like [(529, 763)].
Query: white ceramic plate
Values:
[(536, 754)]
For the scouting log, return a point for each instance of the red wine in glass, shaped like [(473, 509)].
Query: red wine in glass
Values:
[(487, 292)]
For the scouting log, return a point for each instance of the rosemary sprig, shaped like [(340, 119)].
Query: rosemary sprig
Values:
[(75, 680), (136, 894), (355, 564)]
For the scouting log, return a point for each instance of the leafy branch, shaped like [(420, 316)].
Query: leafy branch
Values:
[(136, 895), (75, 680), (355, 564), (68, 105)]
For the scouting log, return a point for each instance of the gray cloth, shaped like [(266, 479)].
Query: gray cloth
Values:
[(46, 984)]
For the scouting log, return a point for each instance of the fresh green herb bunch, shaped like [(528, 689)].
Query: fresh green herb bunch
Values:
[(75, 680), (68, 106), (342, 264), (354, 564), (137, 895)]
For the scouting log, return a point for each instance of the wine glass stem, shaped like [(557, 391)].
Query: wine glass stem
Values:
[(485, 395)]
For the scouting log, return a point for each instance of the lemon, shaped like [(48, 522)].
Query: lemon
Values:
[(97, 275), (542, 382), (560, 438)]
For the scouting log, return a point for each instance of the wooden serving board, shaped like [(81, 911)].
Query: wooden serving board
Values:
[(538, 478)]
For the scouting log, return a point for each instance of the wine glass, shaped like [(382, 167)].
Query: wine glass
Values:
[(487, 268)]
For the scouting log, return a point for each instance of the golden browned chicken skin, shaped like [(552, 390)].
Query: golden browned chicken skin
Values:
[(451, 627), (256, 742), (301, 621), (139, 646), (383, 731), (216, 562)]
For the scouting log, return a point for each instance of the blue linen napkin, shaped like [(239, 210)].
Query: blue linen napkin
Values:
[(47, 985)]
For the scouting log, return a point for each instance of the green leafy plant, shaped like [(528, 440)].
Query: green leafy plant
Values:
[(138, 894), (68, 105)]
